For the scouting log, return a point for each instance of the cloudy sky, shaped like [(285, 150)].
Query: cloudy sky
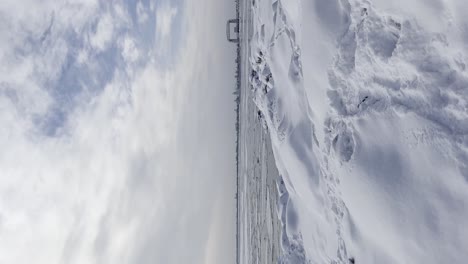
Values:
[(116, 132)]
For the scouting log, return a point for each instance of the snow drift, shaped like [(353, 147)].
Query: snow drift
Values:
[(366, 104)]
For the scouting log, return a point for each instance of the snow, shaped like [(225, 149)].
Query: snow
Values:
[(366, 105), (259, 225)]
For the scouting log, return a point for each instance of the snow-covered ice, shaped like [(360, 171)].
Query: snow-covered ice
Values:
[(259, 225), (366, 103)]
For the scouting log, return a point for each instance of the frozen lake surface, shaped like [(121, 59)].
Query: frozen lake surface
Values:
[(259, 226)]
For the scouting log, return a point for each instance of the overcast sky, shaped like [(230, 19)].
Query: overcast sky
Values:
[(117, 132)]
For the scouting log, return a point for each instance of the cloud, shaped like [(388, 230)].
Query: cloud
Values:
[(104, 33), (130, 52), (109, 155), (164, 18), (167, 35), (142, 15)]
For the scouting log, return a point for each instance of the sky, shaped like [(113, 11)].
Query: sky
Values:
[(117, 132)]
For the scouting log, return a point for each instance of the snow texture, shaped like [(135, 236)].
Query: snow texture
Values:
[(259, 225), (367, 108)]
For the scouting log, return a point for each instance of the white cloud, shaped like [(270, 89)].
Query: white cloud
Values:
[(104, 33), (164, 18), (129, 51), (142, 15), (136, 174)]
